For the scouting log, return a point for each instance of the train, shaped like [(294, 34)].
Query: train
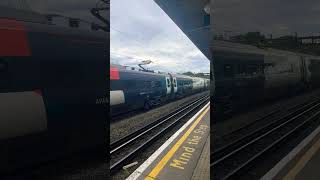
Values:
[(138, 89), (51, 78), (246, 75)]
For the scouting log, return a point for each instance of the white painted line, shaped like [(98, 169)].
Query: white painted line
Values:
[(287, 159), (137, 173)]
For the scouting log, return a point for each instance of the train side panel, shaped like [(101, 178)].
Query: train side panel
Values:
[(137, 90), (132, 90)]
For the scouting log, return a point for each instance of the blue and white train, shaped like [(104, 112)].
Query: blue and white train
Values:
[(132, 89)]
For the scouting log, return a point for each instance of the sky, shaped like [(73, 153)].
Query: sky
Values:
[(141, 30), (276, 17)]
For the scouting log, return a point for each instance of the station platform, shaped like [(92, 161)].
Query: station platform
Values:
[(303, 162), (185, 155)]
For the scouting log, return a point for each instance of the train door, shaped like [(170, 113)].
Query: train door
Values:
[(168, 85), (313, 64), (172, 90), (306, 64), (175, 86), (203, 84), (303, 71)]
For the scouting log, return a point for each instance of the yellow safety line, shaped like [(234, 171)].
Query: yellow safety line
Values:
[(156, 170), (303, 161)]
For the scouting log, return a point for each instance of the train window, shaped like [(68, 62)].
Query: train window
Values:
[(58, 12), (241, 69), (174, 83), (73, 22), (253, 69), (261, 69), (155, 84), (228, 70), (168, 82)]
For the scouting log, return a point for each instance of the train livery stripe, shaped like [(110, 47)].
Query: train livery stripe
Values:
[(22, 113), (114, 74), (116, 97), (13, 39)]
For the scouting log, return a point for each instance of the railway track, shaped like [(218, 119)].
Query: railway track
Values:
[(121, 151), (233, 159), (269, 117), (123, 115)]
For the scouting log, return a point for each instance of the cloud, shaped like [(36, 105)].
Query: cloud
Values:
[(140, 30), (267, 16)]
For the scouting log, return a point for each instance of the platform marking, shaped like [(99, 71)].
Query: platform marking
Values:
[(156, 170), (137, 173), (303, 161), (189, 147)]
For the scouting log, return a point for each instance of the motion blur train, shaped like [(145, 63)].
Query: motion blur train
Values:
[(133, 89), (246, 74), (50, 79)]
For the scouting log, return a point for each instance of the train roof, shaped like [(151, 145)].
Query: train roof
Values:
[(124, 69), (222, 46), (181, 76), (61, 42), (235, 47), (32, 18), (22, 15)]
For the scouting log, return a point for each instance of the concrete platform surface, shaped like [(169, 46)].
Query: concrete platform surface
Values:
[(311, 170), (303, 162), (184, 156)]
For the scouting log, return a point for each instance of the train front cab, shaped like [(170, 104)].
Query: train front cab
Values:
[(47, 109), (131, 90)]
